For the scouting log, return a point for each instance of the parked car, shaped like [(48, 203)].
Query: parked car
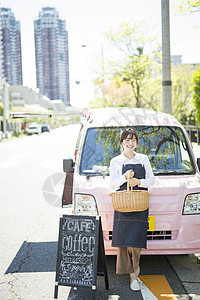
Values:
[(34, 128), (45, 128)]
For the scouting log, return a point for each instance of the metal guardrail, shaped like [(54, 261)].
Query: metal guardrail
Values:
[(193, 132)]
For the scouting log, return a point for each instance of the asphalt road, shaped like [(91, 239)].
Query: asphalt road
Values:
[(30, 196)]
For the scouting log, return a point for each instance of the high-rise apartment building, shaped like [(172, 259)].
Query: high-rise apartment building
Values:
[(10, 48), (51, 51)]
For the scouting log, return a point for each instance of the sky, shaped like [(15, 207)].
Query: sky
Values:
[(86, 20)]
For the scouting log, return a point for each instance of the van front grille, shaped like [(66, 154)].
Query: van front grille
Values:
[(157, 235), (161, 235)]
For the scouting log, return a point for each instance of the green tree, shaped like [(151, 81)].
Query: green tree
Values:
[(1, 109), (133, 66), (196, 94), (114, 95), (182, 105), (188, 6)]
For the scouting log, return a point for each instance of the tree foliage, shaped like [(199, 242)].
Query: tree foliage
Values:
[(133, 77), (196, 94), (188, 6), (182, 105), (113, 95), (133, 65), (152, 94), (1, 109)]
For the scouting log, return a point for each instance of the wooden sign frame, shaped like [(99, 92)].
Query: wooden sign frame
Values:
[(80, 253)]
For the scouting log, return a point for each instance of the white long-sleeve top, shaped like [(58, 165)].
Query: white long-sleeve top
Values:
[(116, 164)]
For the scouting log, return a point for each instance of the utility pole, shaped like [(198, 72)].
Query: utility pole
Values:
[(166, 58)]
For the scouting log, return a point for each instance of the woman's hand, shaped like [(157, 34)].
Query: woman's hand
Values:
[(129, 174), (134, 181)]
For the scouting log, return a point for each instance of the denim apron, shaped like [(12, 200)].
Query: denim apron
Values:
[(130, 228)]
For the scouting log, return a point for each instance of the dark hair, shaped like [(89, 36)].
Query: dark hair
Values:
[(128, 132)]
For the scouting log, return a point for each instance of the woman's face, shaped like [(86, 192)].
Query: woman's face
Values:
[(129, 144)]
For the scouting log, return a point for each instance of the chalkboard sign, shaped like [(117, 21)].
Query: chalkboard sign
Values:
[(80, 251)]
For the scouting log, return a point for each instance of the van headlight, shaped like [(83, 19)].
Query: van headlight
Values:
[(192, 204), (84, 204)]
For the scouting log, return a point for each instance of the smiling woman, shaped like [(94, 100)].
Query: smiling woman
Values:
[(130, 228)]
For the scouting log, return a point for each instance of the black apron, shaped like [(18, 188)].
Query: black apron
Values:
[(130, 228)]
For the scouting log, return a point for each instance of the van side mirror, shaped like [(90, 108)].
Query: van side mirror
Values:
[(198, 163), (68, 165)]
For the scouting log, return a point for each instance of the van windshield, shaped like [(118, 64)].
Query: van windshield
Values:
[(166, 148)]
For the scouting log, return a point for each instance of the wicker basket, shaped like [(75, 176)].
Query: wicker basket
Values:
[(130, 200)]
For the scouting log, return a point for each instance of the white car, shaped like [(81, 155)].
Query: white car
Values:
[(34, 128)]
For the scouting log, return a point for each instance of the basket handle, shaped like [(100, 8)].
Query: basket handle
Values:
[(128, 185)]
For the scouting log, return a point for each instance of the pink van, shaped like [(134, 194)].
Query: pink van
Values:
[(174, 221)]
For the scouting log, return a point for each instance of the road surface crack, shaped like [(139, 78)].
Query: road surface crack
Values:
[(12, 289), (27, 256)]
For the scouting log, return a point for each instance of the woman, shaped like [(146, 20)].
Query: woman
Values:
[(130, 229)]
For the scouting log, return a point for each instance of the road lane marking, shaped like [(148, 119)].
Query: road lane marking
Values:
[(146, 293), (158, 286)]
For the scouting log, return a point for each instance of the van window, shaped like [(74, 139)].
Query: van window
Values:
[(78, 141), (166, 148)]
